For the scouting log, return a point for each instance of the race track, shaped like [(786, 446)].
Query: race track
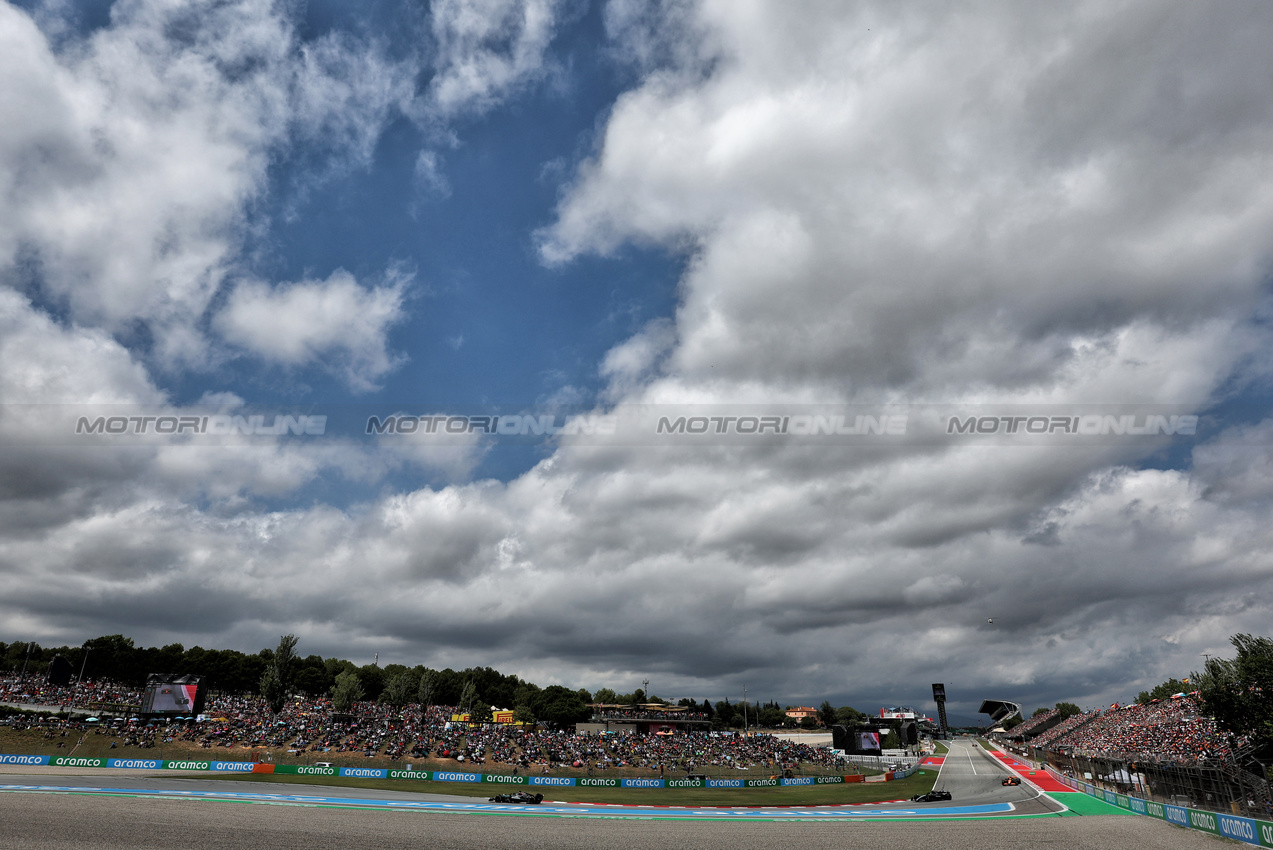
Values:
[(141, 812)]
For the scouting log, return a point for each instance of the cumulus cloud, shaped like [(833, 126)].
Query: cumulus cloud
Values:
[(131, 156), (906, 196), (334, 321), (487, 50)]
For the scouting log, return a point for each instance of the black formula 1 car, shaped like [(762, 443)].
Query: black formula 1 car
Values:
[(1012, 780), (931, 797), (520, 797)]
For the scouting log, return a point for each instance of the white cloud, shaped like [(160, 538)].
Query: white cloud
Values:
[(895, 197), (486, 50), (335, 322), (129, 158), (635, 360)]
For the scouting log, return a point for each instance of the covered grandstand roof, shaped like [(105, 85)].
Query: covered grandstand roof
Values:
[(999, 709)]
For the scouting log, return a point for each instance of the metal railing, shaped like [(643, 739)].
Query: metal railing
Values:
[(1219, 785)]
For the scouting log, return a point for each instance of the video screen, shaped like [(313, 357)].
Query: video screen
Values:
[(181, 697)]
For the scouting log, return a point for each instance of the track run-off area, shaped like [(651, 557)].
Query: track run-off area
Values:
[(125, 811)]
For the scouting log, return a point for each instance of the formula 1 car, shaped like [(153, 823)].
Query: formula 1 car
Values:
[(522, 797), (931, 797), (1012, 780)]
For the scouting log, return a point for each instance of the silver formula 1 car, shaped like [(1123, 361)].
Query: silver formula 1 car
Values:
[(524, 798)]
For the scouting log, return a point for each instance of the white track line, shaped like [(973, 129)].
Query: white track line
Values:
[(942, 766)]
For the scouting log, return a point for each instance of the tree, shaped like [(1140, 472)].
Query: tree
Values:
[(561, 706), (312, 677), (808, 722), (1039, 711), (1068, 709), (336, 666), (272, 689), (848, 716), (523, 714), (826, 713), (467, 695), (114, 657), (276, 679), (1236, 692), (372, 679), (285, 660), (1166, 690), (772, 717), (346, 692), (725, 715), (480, 713), (424, 691), (605, 695), (398, 690)]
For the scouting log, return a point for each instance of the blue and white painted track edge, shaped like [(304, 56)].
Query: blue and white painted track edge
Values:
[(580, 810)]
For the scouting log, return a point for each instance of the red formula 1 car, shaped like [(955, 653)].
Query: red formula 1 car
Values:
[(1012, 780)]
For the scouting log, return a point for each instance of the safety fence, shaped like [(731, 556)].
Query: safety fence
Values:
[(1237, 827), (436, 775), (1216, 785)]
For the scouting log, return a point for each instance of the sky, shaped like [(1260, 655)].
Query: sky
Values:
[(825, 349)]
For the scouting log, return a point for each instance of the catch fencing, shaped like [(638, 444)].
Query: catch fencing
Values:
[(1238, 827)]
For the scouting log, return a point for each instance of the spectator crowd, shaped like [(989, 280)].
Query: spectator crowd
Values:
[(1170, 731), (412, 732)]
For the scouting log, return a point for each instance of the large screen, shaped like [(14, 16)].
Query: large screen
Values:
[(861, 740), (176, 695)]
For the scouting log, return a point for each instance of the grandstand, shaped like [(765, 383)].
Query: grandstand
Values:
[(645, 719), (309, 729), (1036, 725), (999, 710), (1043, 739), (1166, 750)]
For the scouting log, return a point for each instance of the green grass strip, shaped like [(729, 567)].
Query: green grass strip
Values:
[(1082, 804)]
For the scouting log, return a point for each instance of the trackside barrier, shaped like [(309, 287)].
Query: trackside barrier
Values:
[(1249, 830), (438, 775)]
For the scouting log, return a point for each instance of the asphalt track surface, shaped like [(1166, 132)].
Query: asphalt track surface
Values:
[(112, 811)]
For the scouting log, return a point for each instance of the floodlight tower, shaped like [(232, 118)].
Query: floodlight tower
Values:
[(939, 697)]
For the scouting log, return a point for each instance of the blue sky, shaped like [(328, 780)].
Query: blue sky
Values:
[(638, 208)]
